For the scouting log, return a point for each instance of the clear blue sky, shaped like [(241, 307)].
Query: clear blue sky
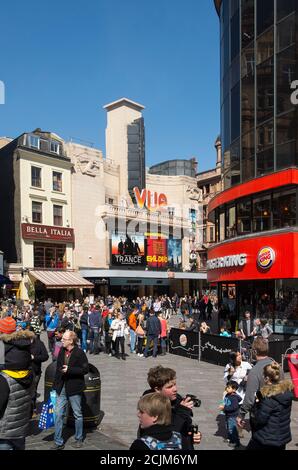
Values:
[(63, 60)]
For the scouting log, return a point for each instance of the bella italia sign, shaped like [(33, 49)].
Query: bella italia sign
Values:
[(46, 232)]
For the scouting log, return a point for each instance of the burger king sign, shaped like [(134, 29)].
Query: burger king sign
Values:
[(266, 258)]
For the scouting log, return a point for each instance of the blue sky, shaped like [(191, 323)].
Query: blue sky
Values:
[(62, 61)]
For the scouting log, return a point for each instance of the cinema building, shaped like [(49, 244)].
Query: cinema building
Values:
[(134, 230), (254, 261)]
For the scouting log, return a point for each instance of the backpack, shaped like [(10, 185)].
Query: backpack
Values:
[(174, 443)]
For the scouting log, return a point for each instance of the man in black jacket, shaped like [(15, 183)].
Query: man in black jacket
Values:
[(163, 380), (69, 383), (153, 330), (39, 354)]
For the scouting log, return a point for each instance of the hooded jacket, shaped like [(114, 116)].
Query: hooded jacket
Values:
[(272, 415), (15, 351), (158, 435)]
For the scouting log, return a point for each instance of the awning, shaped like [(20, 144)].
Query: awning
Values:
[(61, 279)]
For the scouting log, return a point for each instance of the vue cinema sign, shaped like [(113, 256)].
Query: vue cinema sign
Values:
[(152, 201)]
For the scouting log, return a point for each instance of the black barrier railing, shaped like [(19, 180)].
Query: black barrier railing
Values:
[(216, 349)]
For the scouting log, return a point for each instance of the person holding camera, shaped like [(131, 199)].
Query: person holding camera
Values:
[(163, 380)]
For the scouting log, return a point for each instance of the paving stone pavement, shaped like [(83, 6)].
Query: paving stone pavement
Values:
[(123, 382)]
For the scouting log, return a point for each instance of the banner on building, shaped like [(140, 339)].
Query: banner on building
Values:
[(157, 255), (127, 250), (174, 253)]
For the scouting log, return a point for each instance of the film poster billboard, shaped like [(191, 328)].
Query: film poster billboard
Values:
[(127, 250), (157, 256), (174, 253)]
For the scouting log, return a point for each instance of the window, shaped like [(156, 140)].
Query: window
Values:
[(36, 212), (248, 156), (248, 102), (35, 177), (284, 209), (248, 22), (235, 112), (265, 46), (222, 224), (235, 163), (49, 256), (265, 150), (244, 217), (34, 141), (286, 33), (57, 181), (211, 234), (235, 35), (55, 147), (285, 74), (231, 222), (110, 201), (58, 215), (265, 91), (262, 213), (171, 211), (265, 15), (285, 7), (286, 140)]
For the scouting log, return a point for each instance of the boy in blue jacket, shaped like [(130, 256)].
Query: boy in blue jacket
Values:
[(231, 409)]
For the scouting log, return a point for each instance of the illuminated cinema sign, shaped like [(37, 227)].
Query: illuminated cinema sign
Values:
[(150, 200)]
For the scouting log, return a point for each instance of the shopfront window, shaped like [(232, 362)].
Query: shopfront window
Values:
[(274, 210), (244, 217), (231, 221), (49, 256), (286, 306), (262, 214), (284, 209)]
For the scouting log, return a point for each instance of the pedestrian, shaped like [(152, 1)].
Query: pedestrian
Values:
[(119, 327), (255, 379), (271, 413), (69, 383), (163, 380), (153, 331), (231, 409), (16, 380), (154, 413), (52, 323), (163, 333), (39, 354)]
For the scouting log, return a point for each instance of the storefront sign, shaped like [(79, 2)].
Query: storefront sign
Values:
[(46, 232), (266, 257), (229, 261), (151, 200)]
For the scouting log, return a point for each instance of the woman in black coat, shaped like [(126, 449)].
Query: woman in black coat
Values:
[(271, 414)]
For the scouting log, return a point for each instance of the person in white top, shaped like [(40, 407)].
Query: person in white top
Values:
[(237, 370), (120, 328)]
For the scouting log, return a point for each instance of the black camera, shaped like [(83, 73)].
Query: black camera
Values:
[(196, 401)]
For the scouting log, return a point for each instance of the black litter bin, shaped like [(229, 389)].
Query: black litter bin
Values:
[(92, 415)]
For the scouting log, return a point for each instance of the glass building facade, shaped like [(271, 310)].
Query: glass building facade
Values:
[(259, 123), (256, 214), (175, 168)]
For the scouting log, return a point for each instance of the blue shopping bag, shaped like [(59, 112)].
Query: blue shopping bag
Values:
[(46, 419)]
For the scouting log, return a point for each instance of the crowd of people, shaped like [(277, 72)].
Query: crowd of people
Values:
[(76, 329)]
